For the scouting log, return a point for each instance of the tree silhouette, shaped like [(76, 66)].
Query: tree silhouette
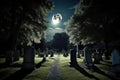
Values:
[(60, 41), (95, 22), (23, 21)]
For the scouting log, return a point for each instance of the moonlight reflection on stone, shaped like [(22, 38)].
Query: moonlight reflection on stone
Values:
[(56, 18)]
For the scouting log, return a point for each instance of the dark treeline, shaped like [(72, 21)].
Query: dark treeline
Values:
[(95, 22), (22, 22)]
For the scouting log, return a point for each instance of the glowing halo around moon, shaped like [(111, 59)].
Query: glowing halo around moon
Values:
[(56, 18)]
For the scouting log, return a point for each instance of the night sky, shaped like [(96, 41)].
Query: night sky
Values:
[(66, 9)]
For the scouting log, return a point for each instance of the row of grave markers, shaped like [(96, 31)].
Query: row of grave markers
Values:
[(115, 69)]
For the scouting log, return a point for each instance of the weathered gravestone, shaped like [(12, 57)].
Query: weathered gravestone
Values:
[(51, 53), (65, 54), (88, 57), (116, 61), (28, 61), (96, 57), (73, 59)]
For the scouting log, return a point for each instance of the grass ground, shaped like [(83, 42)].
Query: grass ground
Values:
[(42, 72), (71, 73), (66, 72), (37, 74)]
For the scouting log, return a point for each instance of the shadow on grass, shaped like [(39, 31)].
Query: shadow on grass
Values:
[(105, 64), (109, 62), (40, 63), (22, 73), (4, 65), (84, 72), (19, 75), (16, 65), (96, 69)]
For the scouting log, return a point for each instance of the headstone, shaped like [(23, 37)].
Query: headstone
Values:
[(88, 57), (51, 54), (65, 54), (115, 61), (96, 57), (28, 61), (73, 58)]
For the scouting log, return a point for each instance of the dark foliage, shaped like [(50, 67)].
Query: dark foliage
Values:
[(22, 22), (60, 42)]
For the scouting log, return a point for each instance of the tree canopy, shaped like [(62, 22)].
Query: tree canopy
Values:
[(95, 21), (60, 42), (22, 22)]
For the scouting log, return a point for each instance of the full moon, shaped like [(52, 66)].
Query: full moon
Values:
[(56, 18)]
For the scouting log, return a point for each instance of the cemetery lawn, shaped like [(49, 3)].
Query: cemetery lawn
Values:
[(66, 72), (42, 72), (38, 74), (70, 73)]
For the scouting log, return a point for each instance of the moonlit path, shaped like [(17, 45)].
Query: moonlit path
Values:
[(54, 73)]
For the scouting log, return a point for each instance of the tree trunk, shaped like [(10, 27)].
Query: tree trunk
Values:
[(28, 59), (16, 55)]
